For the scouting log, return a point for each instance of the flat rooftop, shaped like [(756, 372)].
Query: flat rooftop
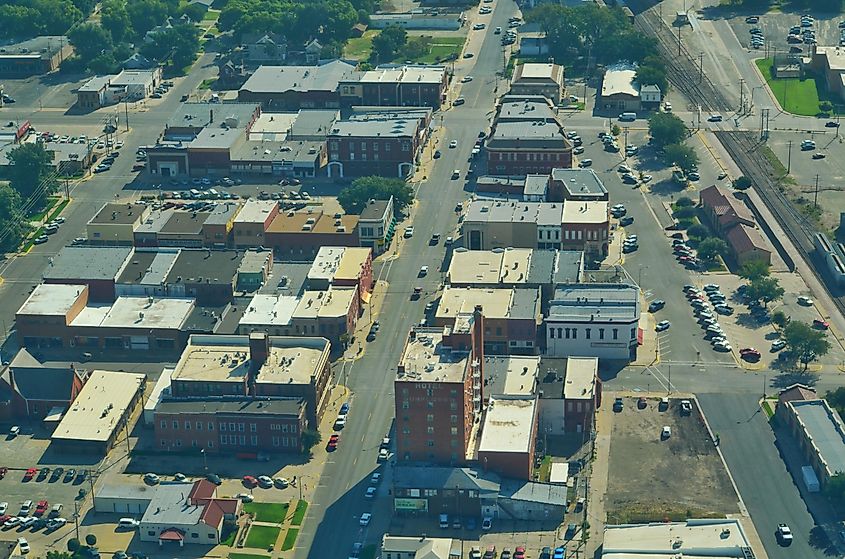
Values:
[(237, 406), (538, 70), (332, 303), (149, 267), (326, 263), (292, 360), (119, 214), (605, 302), (497, 211), (514, 375), (620, 79), (36, 47), (581, 374), (717, 538), (87, 263), (508, 425), (137, 313), (531, 110), (426, 359), (314, 222), (511, 131), (592, 211), (279, 79), (100, 407), (579, 181), (489, 267), (205, 266), (256, 211), (824, 426), (217, 137), (200, 115), (404, 74), (496, 303), (51, 299), (269, 310), (169, 506)]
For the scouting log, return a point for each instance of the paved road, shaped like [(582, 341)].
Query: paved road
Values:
[(22, 273), (751, 450), (332, 525)]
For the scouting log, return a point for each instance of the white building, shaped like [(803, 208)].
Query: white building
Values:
[(715, 538), (594, 320), (402, 547)]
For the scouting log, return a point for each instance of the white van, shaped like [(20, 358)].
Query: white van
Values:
[(444, 520), (628, 116), (128, 523)]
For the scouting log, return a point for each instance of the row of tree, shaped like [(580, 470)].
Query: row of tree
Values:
[(353, 199), (28, 18), (31, 180), (668, 133), (100, 47)]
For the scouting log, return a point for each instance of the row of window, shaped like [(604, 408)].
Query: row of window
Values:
[(231, 426), (453, 419), (572, 333), (531, 156), (430, 430), (234, 440), (151, 533), (453, 404), (335, 146)]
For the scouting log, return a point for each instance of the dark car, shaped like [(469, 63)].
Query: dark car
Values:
[(656, 305), (618, 405), (214, 478), (831, 124), (57, 473), (437, 154), (546, 553), (371, 335), (71, 473), (42, 474), (627, 220)]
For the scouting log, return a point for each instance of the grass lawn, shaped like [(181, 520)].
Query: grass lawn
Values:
[(262, 537), (51, 201), (246, 556), (545, 469), (211, 15), (290, 539), (267, 512), (768, 408), (206, 84), (441, 48), (358, 48), (229, 535), (299, 513), (796, 96)]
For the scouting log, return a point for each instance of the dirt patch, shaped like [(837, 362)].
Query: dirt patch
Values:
[(654, 480)]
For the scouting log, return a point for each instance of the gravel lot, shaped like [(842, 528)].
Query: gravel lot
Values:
[(678, 478)]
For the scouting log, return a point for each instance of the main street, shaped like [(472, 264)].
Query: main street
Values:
[(21, 273), (332, 526)]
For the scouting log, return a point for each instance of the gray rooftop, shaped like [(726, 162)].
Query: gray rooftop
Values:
[(36, 47), (298, 152), (169, 506), (526, 110), (607, 302), (535, 185), (279, 79), (148, 267), (199, 115), (383, 124), (96, 83), (429, 477), (310, 124), (205, 266), (824, 426), (580, 181), (525, 303), (569, 265), (88, 263), (518, 490), (375, 210), (535, 130), (541, 213), (239, 406), (118, 214)]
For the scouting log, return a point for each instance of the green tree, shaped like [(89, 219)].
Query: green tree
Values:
[(698, 231), (835, 487), (836, 398), (805, 342), (73, 545), (766, 289), (90, 41), (653, 75), (354, 198), (742, 183), (178, 44), (684, 212), (310, 437), (684, 201), (387, 43), (666, 128), (145, 15), (16, 21), (115, 19), (681, 155), (91, 540), (194, 11), (31, 173), (780, 319), (14, 223), (709, 249), (753, 270), (56, 16)]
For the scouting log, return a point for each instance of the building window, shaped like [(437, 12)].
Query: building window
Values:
[(406, 431), (430, 430), (284, 427), (210, 426), (387, 147), (253, 428), (178, 442), (363, 146), (232, 427), (163, 424), (552, 333), (275, 441), (601, 333), (210, 444), (199, 425), (616, 333), (293, 428), (453, 405), (176, 424), (242, 440), (253, 440), (241, 427), (429, 442), (163, 442), (453, 419), (454, 430), (405, 405), (284, 441), (429, 418), (430, 492), (588, 330), (406, 146), (224, 439), (187, 425), (566, 333)]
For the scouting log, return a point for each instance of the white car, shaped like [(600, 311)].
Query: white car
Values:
[(23, 545), (3, 507), (365, 519), (662, 325), (265, 481), (453, 144), (578, 150), (585, 162), (375, 478), (14, 431), (151, 478), (371, 493), (479, 26), (666, 432), (487, 523), (409, 232), (423, 271), (466, 79), (624, 169), (56, 523), (804, 300), (244, 497)]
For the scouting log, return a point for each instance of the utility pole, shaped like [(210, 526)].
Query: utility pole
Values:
[(67, 188), (816, 195), (741, 95), (789, 157), (126, 112), (679, 40), (626, 141)]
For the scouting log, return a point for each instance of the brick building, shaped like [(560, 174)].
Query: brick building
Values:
[(252, 222), (297, 87), (533, 78), (439, 392), (383, 143), (586, 228), (581, 394), (31, 389), (95, 267), (495, 224), (397, 86), (509, 435), (34, 57), (300, 235), (230, 425), (257, 366)]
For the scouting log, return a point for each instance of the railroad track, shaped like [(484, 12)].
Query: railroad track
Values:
[(742, 147)]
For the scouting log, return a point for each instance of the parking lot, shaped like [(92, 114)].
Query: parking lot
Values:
[(653, 476), (776, 28)]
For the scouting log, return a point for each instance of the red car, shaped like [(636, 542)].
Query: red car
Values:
[(4, 518), (821, 324), (41, 508), (333, 441), (30, 473), (749, 354), (250, 481), (519, 553)]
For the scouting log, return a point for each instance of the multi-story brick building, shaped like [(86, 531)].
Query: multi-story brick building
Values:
[(252, 222), (586, 228), (501, 224), (299, 235), (377, 143), (230, 425), (297, 87), (397, 86), (257, 366), (538, 78), (439, 392)]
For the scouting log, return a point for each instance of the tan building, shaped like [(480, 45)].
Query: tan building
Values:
[(586, 228), (500, 224), (116, 223), (537, 78)]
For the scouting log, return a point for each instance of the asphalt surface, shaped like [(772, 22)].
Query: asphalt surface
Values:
[(332, 525)]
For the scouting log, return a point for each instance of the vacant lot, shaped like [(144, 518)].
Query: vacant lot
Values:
[(654, 480)]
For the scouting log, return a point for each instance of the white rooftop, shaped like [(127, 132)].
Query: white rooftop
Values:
[(714, 539), (137, 313), (50, 299), (255, 211), (581, 373), (488, 267), (332, 303), (426, 359), (585, 212), (508, 425), (269, 310), (98, 409), (536, 70), (620, 79), (326, 263)]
